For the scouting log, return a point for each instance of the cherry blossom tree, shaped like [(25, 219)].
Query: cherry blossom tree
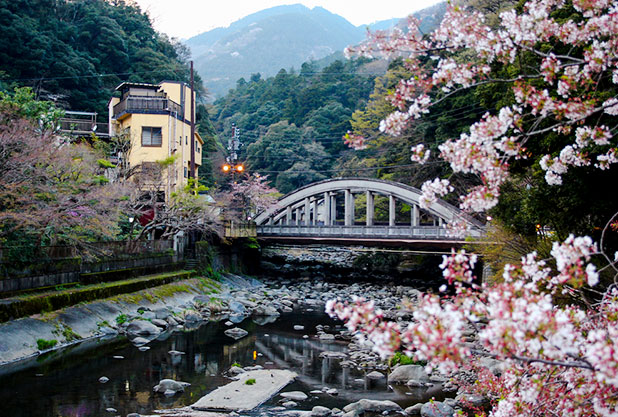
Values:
[(566, 87), (251, 196), (551, 323)]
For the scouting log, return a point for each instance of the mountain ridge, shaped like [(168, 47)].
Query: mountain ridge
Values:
[(271, 39)]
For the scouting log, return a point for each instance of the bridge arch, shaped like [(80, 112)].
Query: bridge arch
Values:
[(315, 204)]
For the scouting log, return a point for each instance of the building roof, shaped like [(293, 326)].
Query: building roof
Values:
[(140, 85)]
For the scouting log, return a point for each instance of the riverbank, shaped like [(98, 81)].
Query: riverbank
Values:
[(276, 326)]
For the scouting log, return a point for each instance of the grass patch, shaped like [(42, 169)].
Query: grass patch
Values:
[(250, 381), (121, 319), (401, 359), (43, 344)]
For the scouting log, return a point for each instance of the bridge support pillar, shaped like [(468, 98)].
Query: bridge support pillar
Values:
[(314, 204), (288, 215), (327, 209), (369, 215), (391, 210), (349, 208), (307, 212), (414, 221), (333, 208), (298, 215)]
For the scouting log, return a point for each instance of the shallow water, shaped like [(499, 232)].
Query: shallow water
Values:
[(68, 386)]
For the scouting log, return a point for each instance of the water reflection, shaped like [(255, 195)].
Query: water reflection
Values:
[(69, 386)]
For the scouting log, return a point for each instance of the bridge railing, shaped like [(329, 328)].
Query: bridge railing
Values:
[(378, 232)]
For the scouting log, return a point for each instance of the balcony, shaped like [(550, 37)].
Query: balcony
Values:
[(145, 104), (82, 124)]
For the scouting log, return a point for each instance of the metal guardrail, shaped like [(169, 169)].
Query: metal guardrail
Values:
[(379, 232)]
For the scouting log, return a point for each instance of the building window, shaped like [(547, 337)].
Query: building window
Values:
[(186, 140), (186, 172), (151, 136)]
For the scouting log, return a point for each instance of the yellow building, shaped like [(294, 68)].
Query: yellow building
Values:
[(158, 119)]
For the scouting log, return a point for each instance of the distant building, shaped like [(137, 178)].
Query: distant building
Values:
[(158, 119)]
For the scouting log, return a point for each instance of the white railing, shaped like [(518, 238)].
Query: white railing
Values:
[(385, 232)]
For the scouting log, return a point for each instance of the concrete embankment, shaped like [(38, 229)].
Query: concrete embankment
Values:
[(23, 340)]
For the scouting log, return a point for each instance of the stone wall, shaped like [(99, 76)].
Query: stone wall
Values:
[(88, 273), (352, 263)]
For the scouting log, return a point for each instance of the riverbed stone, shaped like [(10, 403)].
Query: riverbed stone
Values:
[(142, 328), (294, 395), (159, 323), (103, 379), (478, 401), (375, 375), (165, 385), (437, 409), (404, 373), (414, 410), (319, 411), (236, 333), (235, 370), (375, 406), (264, 310), (140, 342), (289, 404)]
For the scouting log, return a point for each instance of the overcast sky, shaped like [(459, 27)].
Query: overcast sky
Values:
[(186, 18)]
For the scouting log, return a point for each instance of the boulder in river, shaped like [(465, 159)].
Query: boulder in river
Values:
[(166, 385), (236, 333), (374, 406), (142, 328), (404, 373), (294, 395), (436, 409)]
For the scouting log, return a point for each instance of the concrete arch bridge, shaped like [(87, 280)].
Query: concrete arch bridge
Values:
[(327, 211)]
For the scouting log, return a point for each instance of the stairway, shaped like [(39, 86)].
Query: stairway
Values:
[(191, 263)]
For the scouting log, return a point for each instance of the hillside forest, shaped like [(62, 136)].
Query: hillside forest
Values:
[(293, 125)]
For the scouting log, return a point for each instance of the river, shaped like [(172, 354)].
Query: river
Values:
[(68, 384)]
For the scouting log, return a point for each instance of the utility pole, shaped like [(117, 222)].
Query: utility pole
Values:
[(192, 166)]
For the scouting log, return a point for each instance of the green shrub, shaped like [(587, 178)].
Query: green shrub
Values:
[(43, 344), (121, 318), (401, 359), (250, 381)]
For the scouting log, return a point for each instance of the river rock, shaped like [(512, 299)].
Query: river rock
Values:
[(319, 411), (159, 323), (436, 409), (299, 327), (375, 375), (414, 410), (166, 385), (375, 406), (148, 315), (495, 366), (133, 415), (142, 328), (235, 370), (175, 352), (172, 321), (404, 373), (263, 310), (289, 404), (237, 308), (236, 333), (326, 336), (103, 379), (333, 355), (143, 348), (466, 400), (140, 342), (111, 410), (294, 395), (192, 318)]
